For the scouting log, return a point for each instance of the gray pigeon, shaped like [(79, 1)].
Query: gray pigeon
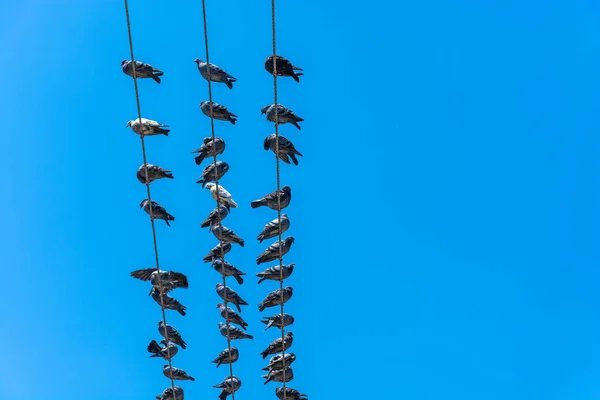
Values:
[(167, 301), (276, 298), (276, 345), (224, 356), (226, 269), (232, 332), (167, 352), (208, 175), (219, 212), (169, 280), (229, 295), (284, 115), (277, 362), (273, 251), (280, 375), (209, 148), (284, 67), (216, 74), (229, 315), (177, 373), (142, 70), (275, 273), (225, 234), (171, 334), (270, 200), (154, 172), (229, 386), (158, 211), (289, 394), (272, 228), (218, 112), (217, 252), (168, 394), (286, 148), (148, 127), (277, 321)]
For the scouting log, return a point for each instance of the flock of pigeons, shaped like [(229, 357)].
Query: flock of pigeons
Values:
[(163, 282)]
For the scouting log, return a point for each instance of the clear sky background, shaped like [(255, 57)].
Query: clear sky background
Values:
[(445, 210)]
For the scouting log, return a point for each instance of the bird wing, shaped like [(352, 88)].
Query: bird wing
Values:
[(143, 274)]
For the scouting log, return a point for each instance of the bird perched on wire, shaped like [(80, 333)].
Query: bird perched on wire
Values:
[(233, 333), (154, 172), (168, 302), (219, 112), (209, 148), (158, 211), (168, 280), (278, 321), (226, 356), (232, 316), (224, 196), (276, 273), (225, 234), (177, 373), (226, 269), (142, 70), (273, 228), (280, 375), (230, 296), (276, 298), (209, 175), (289, 394), (286, 148), (284, 115), (219, 212), (167, 352), (217, 74), (171, 334), (278, 362), (230, 385), (284, 67), (278, 345), (169, 394), (148, 127), (270, 200), (275, 250), (217, 252)]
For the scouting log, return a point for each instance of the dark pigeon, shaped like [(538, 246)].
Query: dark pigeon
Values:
[(286, 148), (208, 175), (229, 386), (284, 67), (229, 295), (277, 321), (226, 269), (289, 394), (209, 148), (270, 200), (216, 74), (225, 234), (276, 298), (142, 70), (169, 280), (231, 316), (217, 252), (280, 362), (168, 302), (281, 375), (284, 115), (167, 352), (158, 211), (272, 228), (212, 218), (224, 356), (168, 394), (219, 112), (154, 172), (232, 332), (275, 273), (277, 345), (171, 334), (177, 373), (273, 251)]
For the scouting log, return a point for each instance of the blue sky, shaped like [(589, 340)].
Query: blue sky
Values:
[(445, 210)]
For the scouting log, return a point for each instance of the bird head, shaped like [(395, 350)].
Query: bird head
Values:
[(219, 285), (124, 62), (290, 240), (291, 266), (143, 202), (264, 109), (202, 103), (289, 289), (197, 61), (225, 167), (284, 216), (220, 305), (287, 190), (292, 356), (165, 366), (129, 123), (290, 334), (267, 142), (209, 186)]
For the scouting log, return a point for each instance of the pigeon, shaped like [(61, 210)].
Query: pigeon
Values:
[(168, 302), (226, 269), (286, 148), (277, 362), (270, 200), (225, 234), (275, 298), (230, 385), (219, 112), (224, 196), (284, 115), (209, 148), (276, 321), (168, 394), (280, 375), (167, 352), (171, 334), (158, 211), (289, 394), (208, 175), (284, 67), (274, 251), (154, 172), (272, 228), (216, 74), (142, 70), (275, 273), (219, 212), (217, 252), (276, 345), (177, 373), (148, 127), (232, 332), (224, 356), (231, 316), (229, 295), (169, 280)]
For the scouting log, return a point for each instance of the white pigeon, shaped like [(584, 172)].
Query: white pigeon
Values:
[(224, 195), (148, 127)]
